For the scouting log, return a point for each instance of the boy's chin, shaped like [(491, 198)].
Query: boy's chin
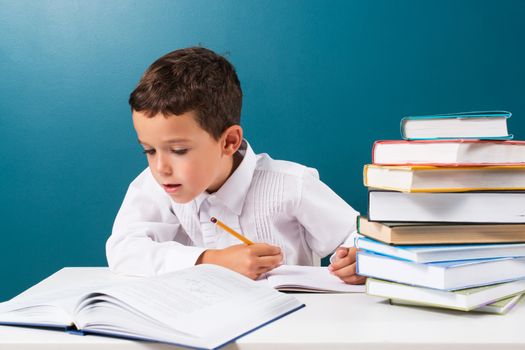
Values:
[(181, 199)]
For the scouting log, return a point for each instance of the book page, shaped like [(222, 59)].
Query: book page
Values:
[(308, 278), (205, 301), (54, 306)]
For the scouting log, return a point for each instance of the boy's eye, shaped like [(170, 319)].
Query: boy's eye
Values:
[(149, 151), (180, 151)]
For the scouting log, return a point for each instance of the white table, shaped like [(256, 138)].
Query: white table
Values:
[(329, 321)]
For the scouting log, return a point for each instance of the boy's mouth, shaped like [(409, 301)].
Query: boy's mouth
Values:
[(171, 188)]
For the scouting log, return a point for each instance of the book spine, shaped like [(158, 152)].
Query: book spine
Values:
[(402, 128), (374, 151), (74, 330)]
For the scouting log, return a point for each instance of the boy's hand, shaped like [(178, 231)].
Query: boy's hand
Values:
[(249, 260), (344, 266)]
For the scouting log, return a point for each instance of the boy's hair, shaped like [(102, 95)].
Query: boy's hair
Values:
[(191, 79)]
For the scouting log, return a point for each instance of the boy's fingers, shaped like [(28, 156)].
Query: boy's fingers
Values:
[(348, 275), (263, 249), (345, 271), (355, 279), (341, 252), (340, 263), (270, 261)]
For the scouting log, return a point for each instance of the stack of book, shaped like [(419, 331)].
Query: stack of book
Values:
[(446, 214)]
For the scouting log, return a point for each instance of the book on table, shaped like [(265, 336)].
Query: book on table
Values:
[(499, 307), (205, 306), (313, 279), (464, 125), (472, 207), (445, 275), (442, 252), (464, 300), (399, 233), (421, 178), (448, 152)]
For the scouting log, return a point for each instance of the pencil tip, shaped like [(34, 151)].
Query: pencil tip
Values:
[(213, 219)]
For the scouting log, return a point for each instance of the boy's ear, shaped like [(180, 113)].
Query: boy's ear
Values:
[(231, 139)]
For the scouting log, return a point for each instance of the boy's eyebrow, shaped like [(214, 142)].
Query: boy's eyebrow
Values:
[(177, 140), (167, 141)]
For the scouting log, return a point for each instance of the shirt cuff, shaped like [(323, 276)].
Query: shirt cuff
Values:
[(184, 257), (348, 243)]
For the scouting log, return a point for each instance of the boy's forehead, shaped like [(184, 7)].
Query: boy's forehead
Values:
[(166, 129)]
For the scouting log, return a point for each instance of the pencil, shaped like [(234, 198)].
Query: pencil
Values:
[(230, 231)]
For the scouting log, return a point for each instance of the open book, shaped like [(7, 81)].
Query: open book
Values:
[(205, 306), (313, 279)]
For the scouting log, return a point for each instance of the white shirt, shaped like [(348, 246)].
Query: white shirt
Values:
[(272, 201)]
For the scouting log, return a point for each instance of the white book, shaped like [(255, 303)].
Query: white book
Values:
[(205, 306), (446, 275), (499, 307), (313, 279), (474, 125), (442, 252), (448, 152), (424, 178), (464, 300), (465, 207)]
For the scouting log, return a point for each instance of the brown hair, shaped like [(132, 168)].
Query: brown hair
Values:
[(191, 79)]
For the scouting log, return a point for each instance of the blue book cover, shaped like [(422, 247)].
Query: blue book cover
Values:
[(443, 275), (442, 252)]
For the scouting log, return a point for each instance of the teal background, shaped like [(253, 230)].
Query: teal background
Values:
[(322, 80)]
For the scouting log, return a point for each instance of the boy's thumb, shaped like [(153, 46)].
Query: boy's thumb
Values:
[(341, 252)]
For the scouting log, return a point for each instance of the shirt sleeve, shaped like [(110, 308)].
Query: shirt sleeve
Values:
[(147, 238), (327, 219), (349, 242)]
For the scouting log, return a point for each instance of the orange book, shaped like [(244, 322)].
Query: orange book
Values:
[(410, 233)]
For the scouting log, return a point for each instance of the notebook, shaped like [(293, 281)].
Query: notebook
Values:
[(205, 306), (313, 279)]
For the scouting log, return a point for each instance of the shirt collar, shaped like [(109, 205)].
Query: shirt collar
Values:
[(233, 192), (201, 198)]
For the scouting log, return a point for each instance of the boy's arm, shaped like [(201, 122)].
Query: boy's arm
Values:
[(330, 223), (143, 237), (328, 220)]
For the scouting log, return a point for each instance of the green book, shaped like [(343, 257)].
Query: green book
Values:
[(499, 307), (463, 300)]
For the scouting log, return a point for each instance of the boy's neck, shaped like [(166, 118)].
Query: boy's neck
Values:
[(237, 159), (234, 163)]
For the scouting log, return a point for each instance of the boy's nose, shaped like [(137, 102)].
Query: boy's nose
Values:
[(163, 166)]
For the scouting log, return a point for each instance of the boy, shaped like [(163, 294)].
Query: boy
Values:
[(186, 112)]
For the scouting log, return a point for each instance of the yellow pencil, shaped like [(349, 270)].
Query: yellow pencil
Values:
[(231, 231)]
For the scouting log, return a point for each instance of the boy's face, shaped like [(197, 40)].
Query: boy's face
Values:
[(184, 158)]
